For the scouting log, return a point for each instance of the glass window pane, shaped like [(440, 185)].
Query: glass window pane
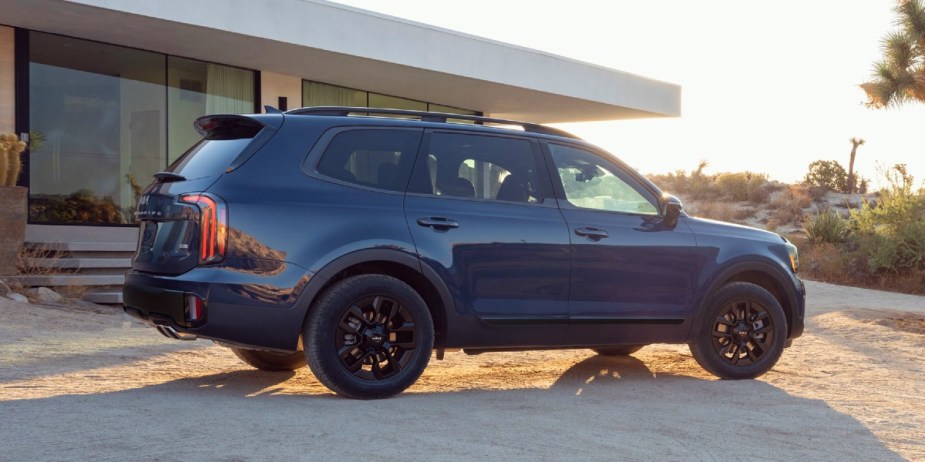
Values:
[(394, 102), (376, 158), (197, 88), (480, 167), (101, 111), (449, 109), (590, 182), (322, 94)]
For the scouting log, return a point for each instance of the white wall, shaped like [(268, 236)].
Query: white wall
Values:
[(7, 81), (273, 85)]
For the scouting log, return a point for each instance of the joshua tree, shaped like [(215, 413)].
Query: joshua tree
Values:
[(900, 76), (855, 142)]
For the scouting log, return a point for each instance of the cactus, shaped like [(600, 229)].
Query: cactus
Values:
[(10, 162), (4, 163)]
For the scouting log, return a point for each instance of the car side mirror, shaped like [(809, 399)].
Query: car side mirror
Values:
[(673, 208)]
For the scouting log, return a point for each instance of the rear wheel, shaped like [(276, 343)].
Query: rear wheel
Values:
[(622, 350), (742, 334), (368, 337), (270, 360)]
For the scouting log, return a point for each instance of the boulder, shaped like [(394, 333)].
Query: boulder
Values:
[(17, 297), (44, 295)]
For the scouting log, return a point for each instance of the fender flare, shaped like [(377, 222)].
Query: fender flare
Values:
[(733, 269), (320, 279)]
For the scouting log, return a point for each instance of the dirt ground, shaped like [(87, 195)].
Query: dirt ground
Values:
[(82, 385)]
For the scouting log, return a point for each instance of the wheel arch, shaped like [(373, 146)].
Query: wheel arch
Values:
[(400, 265), (761, 274)]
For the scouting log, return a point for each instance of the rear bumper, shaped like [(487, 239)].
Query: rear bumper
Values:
[(250, 310)]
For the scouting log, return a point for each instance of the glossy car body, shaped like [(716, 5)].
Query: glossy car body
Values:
[(536, 272)]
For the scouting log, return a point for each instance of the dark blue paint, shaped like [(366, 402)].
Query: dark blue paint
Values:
[(508, 276)]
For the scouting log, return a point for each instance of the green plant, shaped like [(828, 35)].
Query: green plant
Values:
[(892, 232), (827, 173), (826, 226), (10, 163), (900, 76)]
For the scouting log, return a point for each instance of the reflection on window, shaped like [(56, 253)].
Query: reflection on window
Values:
[(591, 183), (377, 158), (104, 113), (479, 167), (195, 89)]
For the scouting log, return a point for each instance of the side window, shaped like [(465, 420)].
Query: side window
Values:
[(376, 158), (593, 183), (480, 167)]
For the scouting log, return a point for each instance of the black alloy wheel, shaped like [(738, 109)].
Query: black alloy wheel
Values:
[(742, 332), (368, 336), (376, 338)]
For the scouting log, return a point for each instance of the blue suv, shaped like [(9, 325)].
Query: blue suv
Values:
[(360, 245)]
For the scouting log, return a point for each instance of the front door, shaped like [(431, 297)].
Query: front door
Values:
[(633, 277)]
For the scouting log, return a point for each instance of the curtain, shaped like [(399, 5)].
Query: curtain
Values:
[(320, 94), (229, 90)]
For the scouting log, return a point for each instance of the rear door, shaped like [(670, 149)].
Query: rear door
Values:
[(482, 217), (633, 277)]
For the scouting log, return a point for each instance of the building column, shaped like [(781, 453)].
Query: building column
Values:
[(273, 86)]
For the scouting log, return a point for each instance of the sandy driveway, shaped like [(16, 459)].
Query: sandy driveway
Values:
[(91, 386)]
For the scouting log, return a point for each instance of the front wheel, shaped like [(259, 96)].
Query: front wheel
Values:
[(270, 360), (742, 333), (369, 336)]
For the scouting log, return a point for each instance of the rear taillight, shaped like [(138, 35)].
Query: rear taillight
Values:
[(213, 226)]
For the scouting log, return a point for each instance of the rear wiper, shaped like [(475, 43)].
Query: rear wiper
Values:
[(168, 177)]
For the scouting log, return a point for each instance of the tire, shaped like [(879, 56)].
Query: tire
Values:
[(621, 350), (270, 360), (368, 337), (742, 333)]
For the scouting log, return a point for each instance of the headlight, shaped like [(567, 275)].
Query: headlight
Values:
[(794, 256)]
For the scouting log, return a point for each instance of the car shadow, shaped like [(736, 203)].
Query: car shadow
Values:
[(601, 408)]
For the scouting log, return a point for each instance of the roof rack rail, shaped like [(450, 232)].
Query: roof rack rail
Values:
[(424, 116)]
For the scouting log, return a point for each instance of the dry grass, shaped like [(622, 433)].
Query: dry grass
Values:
[(722, 211)]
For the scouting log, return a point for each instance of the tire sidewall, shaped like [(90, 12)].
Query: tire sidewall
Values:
[(321, 327), (702, 345)]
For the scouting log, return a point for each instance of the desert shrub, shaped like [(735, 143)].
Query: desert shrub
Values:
[(826, 226), (892, 232), (760, 194), (722, 211), (788, 207), (741, 186), (827, 173)]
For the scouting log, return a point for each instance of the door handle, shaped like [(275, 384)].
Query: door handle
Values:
[(438, 223), (595, 234)]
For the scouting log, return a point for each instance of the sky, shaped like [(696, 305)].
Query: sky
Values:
[(766, 86)]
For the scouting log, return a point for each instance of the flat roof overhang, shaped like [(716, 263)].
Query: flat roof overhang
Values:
[(328, 42)]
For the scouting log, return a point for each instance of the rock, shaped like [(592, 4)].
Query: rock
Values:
[(44, 295), (17, 297), (4, 288)]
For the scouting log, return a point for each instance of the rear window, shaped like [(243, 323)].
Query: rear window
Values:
[(208, 157), (375, 158), (224, 138)]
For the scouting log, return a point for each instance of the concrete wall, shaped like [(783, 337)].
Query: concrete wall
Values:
[(7, 81), (273, 85)]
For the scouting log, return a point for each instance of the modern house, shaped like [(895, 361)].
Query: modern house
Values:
[(107, 91)]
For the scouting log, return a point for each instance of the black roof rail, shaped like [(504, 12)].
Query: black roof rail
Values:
[(424, 116)]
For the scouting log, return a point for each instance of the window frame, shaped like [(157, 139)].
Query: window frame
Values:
[(620, 169), (542, 174), (313, 158)]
